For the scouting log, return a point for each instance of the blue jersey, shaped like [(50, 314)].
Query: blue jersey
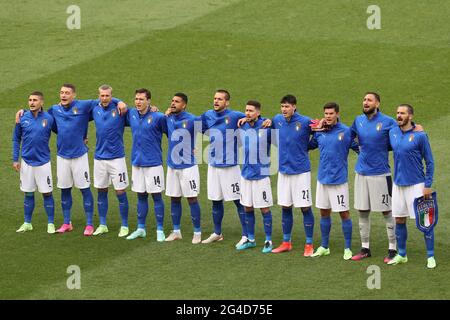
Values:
[(256, 145), (410, 148), (34, 134), (72, 126), (223, 150), (181, 132), (109, 126), (373, 139), (292, 137), (147, 131), (334, 146)]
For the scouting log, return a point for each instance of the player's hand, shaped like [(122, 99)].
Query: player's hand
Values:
[(16, 166), (154, 108), (122, 108), (318, 125), (19, 114), (418, 128), (427, 193), (168, 111), (86, 140), (241, 122), (267, 123)]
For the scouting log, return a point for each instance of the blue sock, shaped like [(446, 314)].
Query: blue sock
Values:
[(142, 209), (250, 221), (429, 242), (308, 225), (217, 212), (241, 213), (287, 220), (159, 210), (347, 230), (66, 203), (123, 208), (28, 206), (102, 206), (401, 233), (325, 227), (176, 214), (49, 205), (88, 203), (195, 216), (267, 220)]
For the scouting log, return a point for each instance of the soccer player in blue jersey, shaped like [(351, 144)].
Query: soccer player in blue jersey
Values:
[(373, 183), (256, 191), (147, 128), (33, 134), (410, 149), (223, 168), (109, 159), (183, 179), (72, 166), (294, 177), (332, 178)]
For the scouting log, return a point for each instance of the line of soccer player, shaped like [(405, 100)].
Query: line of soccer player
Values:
[(372, 135)]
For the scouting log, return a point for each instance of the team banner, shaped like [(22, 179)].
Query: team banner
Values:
[(426, 211)]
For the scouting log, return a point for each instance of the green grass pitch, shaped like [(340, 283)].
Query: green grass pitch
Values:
[(318, 50)]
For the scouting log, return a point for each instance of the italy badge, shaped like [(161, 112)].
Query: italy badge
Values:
[(426, 211)]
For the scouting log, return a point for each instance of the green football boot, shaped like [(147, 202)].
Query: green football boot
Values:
[(25, 227), (398, 259), (101, 229), (321, 251)]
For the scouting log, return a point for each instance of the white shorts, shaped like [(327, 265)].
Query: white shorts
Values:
[(73, 172), (256, 193), (223, 183), (40, 176), (332, 196), (373, 192), (403, 199), (294, 189), (107, 171), (183, 182), (147, 179)]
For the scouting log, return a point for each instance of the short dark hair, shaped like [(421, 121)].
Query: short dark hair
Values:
[(376, 95), (331, 105), (409, 107), (37, 93), (289, 98), (254, 103), (143, 90), (183, 96), (226, 93), (69, 85)]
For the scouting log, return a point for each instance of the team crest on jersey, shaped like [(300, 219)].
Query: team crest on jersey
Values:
[(411, 137), (44, 123), (149, 119), (341, 136), (75, 110), (426, 212), (227, 120), (379, 126), (298, 126), (184, 124), (114, 113)]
